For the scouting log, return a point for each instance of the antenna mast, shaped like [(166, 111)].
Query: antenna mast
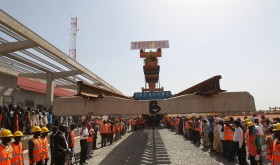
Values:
[(73, 36)]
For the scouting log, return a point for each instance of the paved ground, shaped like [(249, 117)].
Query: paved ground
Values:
[(153, 146)]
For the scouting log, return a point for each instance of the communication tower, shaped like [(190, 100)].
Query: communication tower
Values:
[(73, 36)]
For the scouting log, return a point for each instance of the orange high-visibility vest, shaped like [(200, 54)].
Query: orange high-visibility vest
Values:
[(246, 135), (228, 133), (133, 122), (275, 153), (187, 125), (45, 148), (177, 121), (251, 144), (114, 129), (17, 154), (269, 148), (72, 136), (121, 126), (111, 130), (103, 128), (5, 156), (118, 127), (89, 138), (197, 126), (36, 151)]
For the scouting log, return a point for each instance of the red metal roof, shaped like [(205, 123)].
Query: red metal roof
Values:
[(35, 86)]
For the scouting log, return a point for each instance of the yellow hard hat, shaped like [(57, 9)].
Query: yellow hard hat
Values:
[(226, 119), (36, 129), (247, 120), (249, 124), (18, 133), (6, 133), (44, 129), (276, 127)]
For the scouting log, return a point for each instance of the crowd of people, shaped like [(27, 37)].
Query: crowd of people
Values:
[(16, 122), (253, 138), (17, 118), (111, 130)]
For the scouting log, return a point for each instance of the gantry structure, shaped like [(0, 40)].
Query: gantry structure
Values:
[(151, 70), (151, 66), (203, 97), (24, 53)]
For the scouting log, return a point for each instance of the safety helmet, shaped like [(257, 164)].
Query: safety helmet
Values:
[(249, 124), (18, 133), (36, 129), (276, 127), (44, 129), (247, 120), (6, 133), (226, 119)]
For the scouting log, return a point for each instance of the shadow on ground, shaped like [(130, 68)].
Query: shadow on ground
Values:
[(141, 147)]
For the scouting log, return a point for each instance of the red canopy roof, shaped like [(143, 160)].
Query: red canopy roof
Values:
[(35, 86)]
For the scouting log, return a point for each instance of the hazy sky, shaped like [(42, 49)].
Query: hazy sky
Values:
[(237, 39)]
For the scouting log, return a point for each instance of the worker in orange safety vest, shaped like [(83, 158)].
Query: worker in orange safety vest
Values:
[(276, 145), (103, 133), (269, 144), (5, 147), (45, 145), (72, 136), (133, 124), (111, 132), (35, 147), (228, 130), (187, 126), (254, 146), (89, 140), (17, 156), (197, 130), (118, 130)]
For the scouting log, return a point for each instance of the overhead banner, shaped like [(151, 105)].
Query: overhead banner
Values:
[(149, 44)]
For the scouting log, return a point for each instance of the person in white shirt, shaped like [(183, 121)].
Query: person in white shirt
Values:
[(239, 143), (33, 120), (217, 144), (83, 142)]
